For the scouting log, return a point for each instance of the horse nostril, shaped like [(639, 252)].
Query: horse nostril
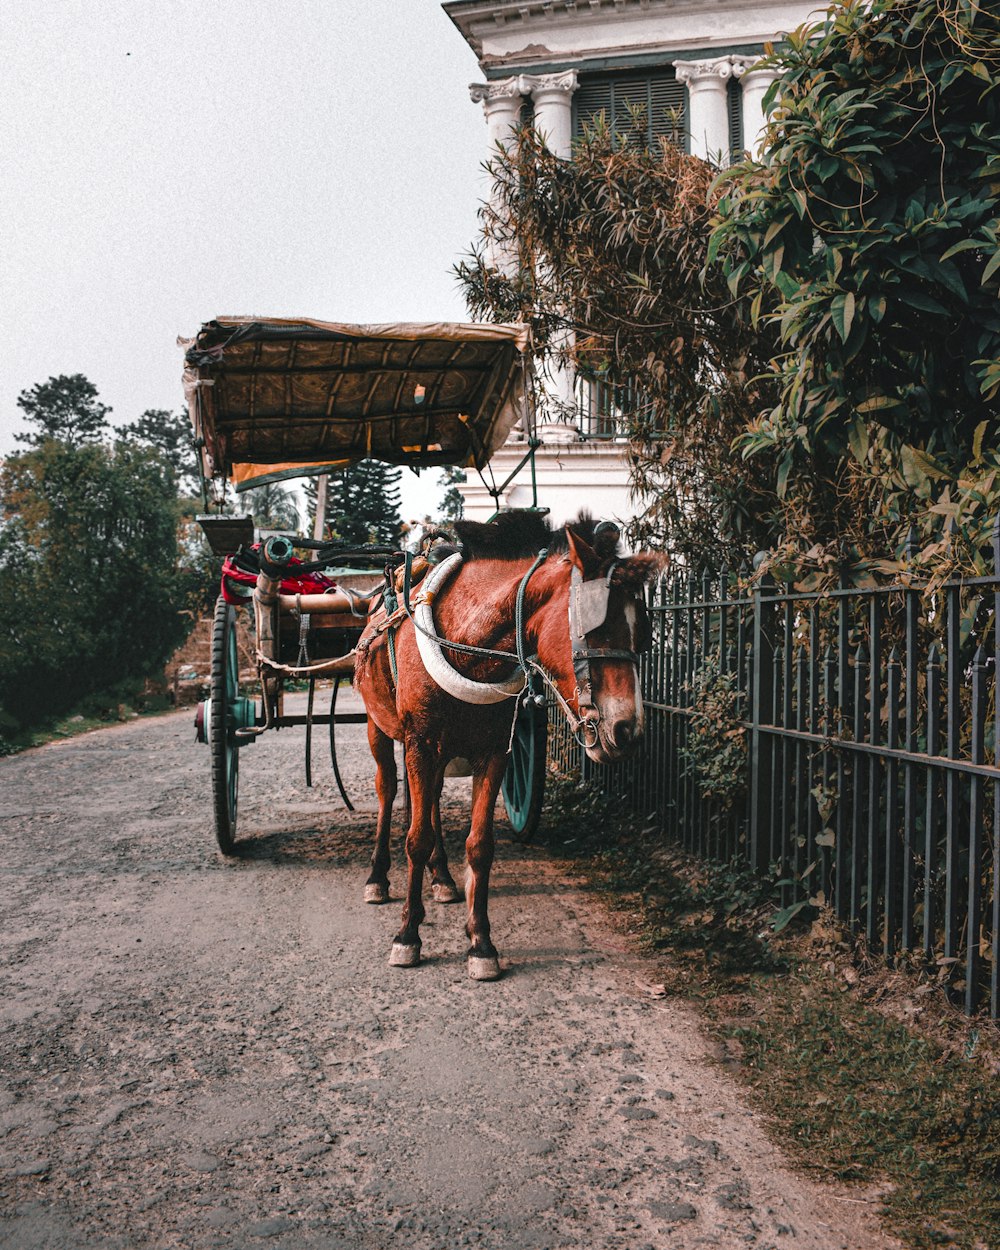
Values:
[(622, 733)]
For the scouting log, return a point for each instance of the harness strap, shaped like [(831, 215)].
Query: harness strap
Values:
[(519, 636), (519, 656), (393, 614)]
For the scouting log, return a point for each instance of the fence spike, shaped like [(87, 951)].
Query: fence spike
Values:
[(912, 542)]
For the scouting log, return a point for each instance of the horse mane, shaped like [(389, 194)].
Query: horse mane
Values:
[(520, 535), (517, 535)]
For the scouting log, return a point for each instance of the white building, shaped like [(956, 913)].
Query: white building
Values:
[(687, 61)]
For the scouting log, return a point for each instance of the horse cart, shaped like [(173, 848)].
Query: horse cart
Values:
[(273, 400)]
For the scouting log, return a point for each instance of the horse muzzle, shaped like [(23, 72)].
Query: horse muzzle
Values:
[(612, 737)]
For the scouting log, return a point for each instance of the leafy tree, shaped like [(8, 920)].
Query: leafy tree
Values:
[(814, 337), (90, 590), (362, 503), (170, 433), (65, 408), (452, 504), (867, 236), (271, 505)]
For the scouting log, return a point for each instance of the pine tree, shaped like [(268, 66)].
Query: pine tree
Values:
[(362, 503)]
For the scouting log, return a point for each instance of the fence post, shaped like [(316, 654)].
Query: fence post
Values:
[(995, 917), (761, 713)]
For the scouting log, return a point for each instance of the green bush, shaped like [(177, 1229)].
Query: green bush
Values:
[(866, 236), (90, 590)]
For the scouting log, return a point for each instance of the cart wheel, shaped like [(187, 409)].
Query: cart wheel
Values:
[(523, 784), (228, 713)]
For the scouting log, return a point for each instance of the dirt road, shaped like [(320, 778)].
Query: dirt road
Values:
[(205, 1053)]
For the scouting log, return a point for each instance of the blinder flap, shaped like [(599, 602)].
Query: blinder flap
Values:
[(588, 604)]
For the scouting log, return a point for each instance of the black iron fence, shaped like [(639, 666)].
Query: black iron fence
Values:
[(847, 741)]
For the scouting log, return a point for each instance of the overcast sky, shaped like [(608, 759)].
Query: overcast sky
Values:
[(168, 161)]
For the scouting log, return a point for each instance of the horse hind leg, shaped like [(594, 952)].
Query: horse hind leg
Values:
[(422, 773), (382, 748), (443, 887)]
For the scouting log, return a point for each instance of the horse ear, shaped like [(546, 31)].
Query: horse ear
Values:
[(639, 569), (582, 554)]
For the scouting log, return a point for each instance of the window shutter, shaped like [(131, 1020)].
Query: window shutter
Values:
[(668, 110), (659, 97), (631, 105), (592, 97), (734, 100)]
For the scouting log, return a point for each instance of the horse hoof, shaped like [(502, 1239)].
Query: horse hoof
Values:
[(376, 892), (446, 892), (484, 967), (404, 956)]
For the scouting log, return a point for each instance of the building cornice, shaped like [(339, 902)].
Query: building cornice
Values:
[(695, 49), (474, 18), (467, 13), (548, 36)]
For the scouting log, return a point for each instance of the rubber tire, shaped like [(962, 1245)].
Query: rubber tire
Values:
[(225, 688), (523, 784)]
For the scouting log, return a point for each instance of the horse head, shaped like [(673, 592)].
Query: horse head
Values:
[(609, 628)]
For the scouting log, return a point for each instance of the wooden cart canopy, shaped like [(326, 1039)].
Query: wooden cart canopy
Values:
[(272, 398)]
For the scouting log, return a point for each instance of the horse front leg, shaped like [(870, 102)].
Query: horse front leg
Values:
[(483, 961), (421, 772), (443, 887), (382, 748)]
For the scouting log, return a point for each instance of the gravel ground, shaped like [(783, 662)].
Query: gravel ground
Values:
[(197, 1052)]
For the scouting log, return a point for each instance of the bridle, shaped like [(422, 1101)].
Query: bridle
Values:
[(588, 610)]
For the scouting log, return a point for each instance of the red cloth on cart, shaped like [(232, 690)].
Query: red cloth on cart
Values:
[(239, 576)]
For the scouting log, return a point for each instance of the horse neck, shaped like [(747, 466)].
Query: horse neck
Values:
[(487, 617)]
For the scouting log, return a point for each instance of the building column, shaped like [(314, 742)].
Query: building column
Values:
[(552, 95), (708, 106), (501, 101), (754, 84)]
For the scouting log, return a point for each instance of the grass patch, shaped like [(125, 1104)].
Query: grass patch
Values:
[(850, 1093), (94, 713)]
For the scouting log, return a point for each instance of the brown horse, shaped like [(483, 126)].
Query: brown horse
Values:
[(587, 654)]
